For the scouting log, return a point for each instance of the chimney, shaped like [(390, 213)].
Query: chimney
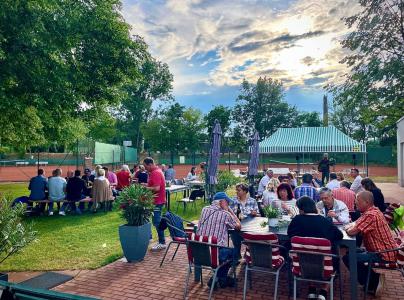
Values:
[(325, 111)]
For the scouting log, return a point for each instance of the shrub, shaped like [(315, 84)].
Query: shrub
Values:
[(226, 179), (14, 233), (271, 212), (136, 203)]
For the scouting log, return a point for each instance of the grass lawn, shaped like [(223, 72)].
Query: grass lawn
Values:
[(72, 242)]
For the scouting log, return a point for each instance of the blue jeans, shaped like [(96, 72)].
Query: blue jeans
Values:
[(229, 255), (156, 221)]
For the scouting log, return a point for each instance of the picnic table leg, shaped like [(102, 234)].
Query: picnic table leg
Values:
[(168, 200)]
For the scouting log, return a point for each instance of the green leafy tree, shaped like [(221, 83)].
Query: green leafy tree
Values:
[(261, 107), (193, 127), (375, 82), (223, 115), (308, 119)]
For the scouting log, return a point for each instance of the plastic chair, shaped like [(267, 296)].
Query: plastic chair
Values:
[(313, 262), (186, 201), (262, 255), (203, 253), (386, 265)]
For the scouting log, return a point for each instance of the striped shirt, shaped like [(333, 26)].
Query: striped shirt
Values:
[(290, 204), (307, 190), (345, 195), (376, 233), (215, 222)]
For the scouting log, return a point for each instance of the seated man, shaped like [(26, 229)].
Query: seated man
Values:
[(306, 189), (345, 195), (75, 190), (310, 224), (376, 237), (333, 183), (215, 220), (57, 188), (332, 208), (37, 186)]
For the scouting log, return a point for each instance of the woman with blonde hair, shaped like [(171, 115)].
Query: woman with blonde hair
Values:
[(101, 192), (269, 195)]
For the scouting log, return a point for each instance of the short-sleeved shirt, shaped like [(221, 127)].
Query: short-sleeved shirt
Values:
[(307, 190), (156, 178), (376, 233), (246, 208), (345, 195), (56, 187), (112, 178), (123, 179), (215, 222)]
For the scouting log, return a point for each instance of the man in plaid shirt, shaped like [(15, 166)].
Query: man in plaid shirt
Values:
[(306, 189), (376, 237)]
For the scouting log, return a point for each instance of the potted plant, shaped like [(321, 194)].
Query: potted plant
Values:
[(14, 233), (272, 214), (136, 204)]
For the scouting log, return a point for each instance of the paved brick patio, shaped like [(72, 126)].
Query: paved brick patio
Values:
[(145, 280)]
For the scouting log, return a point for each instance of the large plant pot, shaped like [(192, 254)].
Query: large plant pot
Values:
[(4, 276), (273, 222), (134, 241)]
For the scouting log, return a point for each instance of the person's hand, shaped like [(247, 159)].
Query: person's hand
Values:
[(253, 213), (331, 214), (284, 206)]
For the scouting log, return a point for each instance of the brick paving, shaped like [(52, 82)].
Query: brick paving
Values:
[(145, 280)]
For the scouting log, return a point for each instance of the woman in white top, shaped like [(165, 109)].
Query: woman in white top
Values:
[(269, 195), (192, 174), (285, 201)]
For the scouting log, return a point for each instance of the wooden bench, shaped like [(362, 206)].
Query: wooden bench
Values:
[(21, 163), (22, 292), (87, 199), (41, 163)]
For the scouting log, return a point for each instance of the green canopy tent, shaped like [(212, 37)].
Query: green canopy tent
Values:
[(306, 140)]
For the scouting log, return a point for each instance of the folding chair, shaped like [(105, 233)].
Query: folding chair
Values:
[(386, 265), (178, 234), (203, 253), (313, 262), (262, 255)]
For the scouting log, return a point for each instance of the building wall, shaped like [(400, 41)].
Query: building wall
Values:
[(400, 151)]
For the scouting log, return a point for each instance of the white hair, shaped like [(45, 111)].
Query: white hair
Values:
[(125, 168)]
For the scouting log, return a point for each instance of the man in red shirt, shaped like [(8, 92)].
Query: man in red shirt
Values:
[(123, 177), (157, 184), (345, 195), (376, 237)]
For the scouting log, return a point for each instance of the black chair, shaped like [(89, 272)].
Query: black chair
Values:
[(204, 256)]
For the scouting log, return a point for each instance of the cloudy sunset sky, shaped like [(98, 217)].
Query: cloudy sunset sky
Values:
[(211, 45)]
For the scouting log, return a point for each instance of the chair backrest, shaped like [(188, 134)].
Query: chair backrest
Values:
[(316, 265), (400, 256), (179, 181), (175, 225), (202, 250), (260, 251), (389, 213)]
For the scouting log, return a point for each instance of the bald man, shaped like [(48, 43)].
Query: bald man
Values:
[(376, 237)]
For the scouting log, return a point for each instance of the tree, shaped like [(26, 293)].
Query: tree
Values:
[(193, 129), (223, 115), (261, 107), (375, 82), (308, 119)]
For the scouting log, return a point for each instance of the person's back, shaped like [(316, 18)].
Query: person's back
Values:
[(56, 187), (170, 174), (345, 195), (37, 186), (123, 177), (305, 189), (75, 189), (142, 177)]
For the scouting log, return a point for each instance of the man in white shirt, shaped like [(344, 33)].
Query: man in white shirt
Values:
[(264, 181), (356, 185), (332, 208), (334, 183), (56, 188)]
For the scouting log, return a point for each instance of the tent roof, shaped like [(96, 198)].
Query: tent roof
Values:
[(310, 139)]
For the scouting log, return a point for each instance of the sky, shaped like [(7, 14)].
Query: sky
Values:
[(210, 46)]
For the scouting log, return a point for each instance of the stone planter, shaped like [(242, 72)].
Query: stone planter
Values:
[(273, 222), (134, 241)]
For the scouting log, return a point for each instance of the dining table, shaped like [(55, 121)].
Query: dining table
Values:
[(175, 189)]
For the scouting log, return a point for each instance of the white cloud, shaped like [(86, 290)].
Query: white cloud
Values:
[(252, 38)]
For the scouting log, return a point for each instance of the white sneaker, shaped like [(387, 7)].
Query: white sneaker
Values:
[(158, 247), (62, 213), (50, 213)]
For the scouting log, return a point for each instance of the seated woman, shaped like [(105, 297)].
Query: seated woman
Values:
[(192, 174), (285, 200), (102, 192), (340, 177), (269, 195), (310, 224), (142, 176), (378, 197)]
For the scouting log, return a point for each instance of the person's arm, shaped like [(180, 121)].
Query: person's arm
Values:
[(235, 223), (355, 185), (154, 183), (343, 215), (30, 183)]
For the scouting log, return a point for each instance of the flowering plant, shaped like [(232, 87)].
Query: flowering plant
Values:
[(136, 204)]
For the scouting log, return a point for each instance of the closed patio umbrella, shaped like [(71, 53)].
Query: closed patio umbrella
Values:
[(254, 157), (214, 155)]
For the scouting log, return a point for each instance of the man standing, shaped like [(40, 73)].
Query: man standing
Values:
[(306, 189), (324, 168), (333, 183), (57, 188), (376, 237), (216, 220), (157, 185), (356, 185), (264, 181), (345, 195), (331, 208)]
